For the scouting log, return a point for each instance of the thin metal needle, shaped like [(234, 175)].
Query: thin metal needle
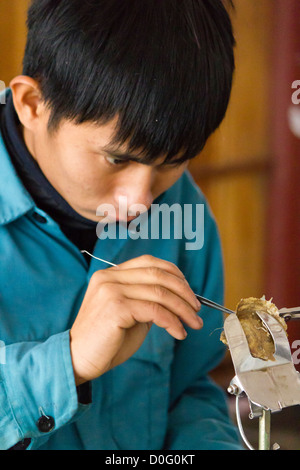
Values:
[(211, 304), (203, 300), (99, 259)]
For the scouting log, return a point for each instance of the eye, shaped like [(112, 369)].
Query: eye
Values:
[(113, 161)]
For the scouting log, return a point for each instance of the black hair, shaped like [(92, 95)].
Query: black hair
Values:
[(164, 68)]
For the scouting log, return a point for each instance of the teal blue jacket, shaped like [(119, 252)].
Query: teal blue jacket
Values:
[(161, 398)]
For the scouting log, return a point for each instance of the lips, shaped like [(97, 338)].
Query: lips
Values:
[(117, 215), (129, 219)]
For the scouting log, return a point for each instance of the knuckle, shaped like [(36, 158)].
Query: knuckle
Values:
[(98, 277), (154, 308), (154, 272), (160, 291)]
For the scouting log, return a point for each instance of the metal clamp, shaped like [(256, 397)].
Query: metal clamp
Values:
[(269, 385)]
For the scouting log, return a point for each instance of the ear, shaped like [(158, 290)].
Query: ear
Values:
[(27, 100)]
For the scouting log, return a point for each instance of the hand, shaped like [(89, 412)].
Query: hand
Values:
[(120, 305)]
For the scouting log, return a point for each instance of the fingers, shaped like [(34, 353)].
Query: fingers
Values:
[(156, 291), (147, 261), (144, 311), (168, 300), (156, 277)]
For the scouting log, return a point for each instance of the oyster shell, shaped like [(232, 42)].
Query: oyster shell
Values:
[(259, 339)]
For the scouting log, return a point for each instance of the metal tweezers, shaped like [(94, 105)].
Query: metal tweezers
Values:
[(285, 313), (210, 303)]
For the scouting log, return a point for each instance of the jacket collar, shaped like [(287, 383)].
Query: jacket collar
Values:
[(15, 201)]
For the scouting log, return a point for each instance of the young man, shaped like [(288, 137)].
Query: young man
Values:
[(115, 98)]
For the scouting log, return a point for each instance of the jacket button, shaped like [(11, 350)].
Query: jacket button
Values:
[(46, 424), (39, 218)]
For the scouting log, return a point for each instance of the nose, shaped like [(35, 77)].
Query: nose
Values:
[(138, 187)]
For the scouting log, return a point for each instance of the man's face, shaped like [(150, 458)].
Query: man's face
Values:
[(87, 171)]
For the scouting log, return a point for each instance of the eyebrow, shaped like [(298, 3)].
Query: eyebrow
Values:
[(128, 157), (121, 155)]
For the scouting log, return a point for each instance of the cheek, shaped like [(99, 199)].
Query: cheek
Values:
[(77, 168), (86, 177)]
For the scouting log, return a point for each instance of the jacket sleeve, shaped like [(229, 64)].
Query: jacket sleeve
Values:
[(38, 394), (198, 414)]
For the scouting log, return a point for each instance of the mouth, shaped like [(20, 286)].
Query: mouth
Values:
[(117, 216), (117, 220), (130, 218)]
